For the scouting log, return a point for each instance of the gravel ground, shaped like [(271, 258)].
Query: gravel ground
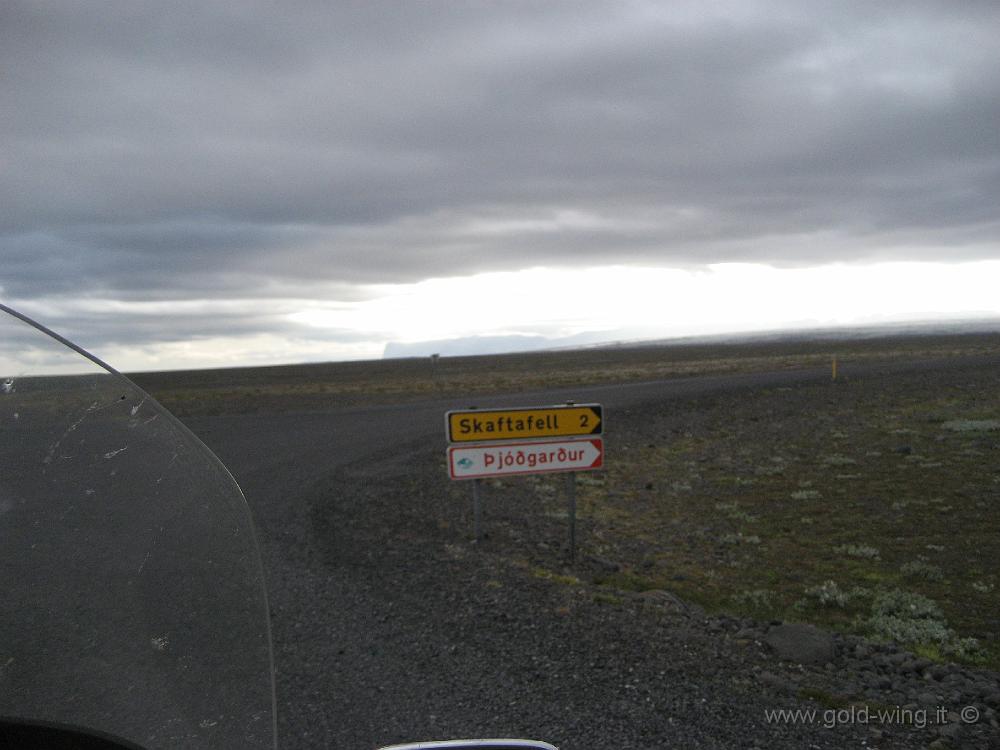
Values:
[(391, 625)]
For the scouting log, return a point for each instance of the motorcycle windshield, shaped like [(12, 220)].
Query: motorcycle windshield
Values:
[(133, 603)]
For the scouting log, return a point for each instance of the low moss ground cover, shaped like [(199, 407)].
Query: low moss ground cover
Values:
[(866, 504), (856, 505)]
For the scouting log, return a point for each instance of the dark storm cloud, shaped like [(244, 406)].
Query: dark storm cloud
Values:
[(246, 150)]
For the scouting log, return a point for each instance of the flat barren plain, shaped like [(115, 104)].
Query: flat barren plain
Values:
[(758, 490), (287, 388)]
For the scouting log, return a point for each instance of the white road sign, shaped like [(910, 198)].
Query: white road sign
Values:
[(536, 457)]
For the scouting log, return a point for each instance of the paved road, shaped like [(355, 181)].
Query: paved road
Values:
[(335, 695), (258, 449), (273, 455)]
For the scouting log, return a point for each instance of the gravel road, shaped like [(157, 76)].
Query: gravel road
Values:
[(391, 625)]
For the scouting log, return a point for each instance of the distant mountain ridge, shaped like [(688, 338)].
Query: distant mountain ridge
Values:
[(473, 345)]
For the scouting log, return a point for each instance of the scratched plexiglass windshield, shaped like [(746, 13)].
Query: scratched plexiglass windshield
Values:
[(133, 603)]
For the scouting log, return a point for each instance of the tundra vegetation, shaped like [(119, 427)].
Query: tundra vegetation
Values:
[(869, 504)]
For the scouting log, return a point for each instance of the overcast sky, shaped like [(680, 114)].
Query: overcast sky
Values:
[(188, 183)]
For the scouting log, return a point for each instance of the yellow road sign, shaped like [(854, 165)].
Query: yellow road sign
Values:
[(484, 425)]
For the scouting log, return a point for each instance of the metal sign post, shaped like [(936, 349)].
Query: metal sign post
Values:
[(477, 510), (565, 438), (571, 512), (477, 504)]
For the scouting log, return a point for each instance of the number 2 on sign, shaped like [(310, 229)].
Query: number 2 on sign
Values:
[(584, 420)]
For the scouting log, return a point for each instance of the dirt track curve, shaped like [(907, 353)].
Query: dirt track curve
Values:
[(389, 625)]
